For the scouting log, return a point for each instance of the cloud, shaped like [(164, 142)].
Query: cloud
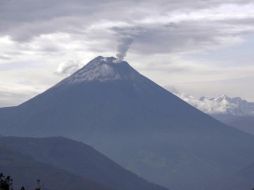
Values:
[(12, 99), (68, 67), (13, 94), (161, 27)]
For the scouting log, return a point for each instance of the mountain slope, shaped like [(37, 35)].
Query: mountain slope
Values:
[(243, 123), (241, 180), (25, 171), (78, 159), (137, 123)]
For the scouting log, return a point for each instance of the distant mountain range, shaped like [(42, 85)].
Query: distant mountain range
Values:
[(220, 105), (235, 112), (140, 125), (64, 164)]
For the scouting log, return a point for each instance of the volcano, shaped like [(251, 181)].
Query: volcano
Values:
[(140, 125)]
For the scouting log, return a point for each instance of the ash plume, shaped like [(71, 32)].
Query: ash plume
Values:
[(123, 47)]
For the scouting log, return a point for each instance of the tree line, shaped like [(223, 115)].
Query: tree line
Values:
[(6, 183)]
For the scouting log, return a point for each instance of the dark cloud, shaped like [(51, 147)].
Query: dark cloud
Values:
[(106, 26), (26, 19)]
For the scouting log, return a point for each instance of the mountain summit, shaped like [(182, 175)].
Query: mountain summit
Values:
[(221, 105), (138, 124), (103, 69)]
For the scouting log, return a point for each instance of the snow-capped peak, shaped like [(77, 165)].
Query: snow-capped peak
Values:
[(220, 105), (103, 69)]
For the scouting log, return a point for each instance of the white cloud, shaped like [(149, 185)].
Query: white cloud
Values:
[(68, 67)]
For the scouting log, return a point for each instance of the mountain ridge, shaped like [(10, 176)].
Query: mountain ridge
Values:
[(222, 104), (233, 111), (141, 126), (25, 170), (76, 159)]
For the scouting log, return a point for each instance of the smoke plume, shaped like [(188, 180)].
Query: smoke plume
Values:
[(123, 47)]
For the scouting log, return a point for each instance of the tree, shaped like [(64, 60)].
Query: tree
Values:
[(5, 182), (38, 186)]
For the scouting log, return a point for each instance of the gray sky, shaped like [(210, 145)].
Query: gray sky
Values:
[(202, 47)]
